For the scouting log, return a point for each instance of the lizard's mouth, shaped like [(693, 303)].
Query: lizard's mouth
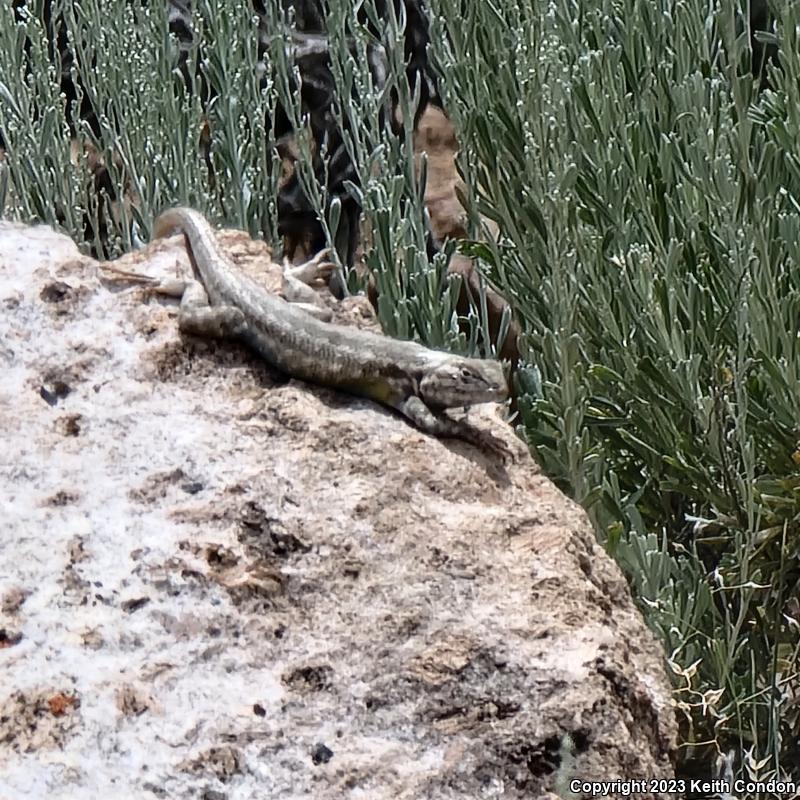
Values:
[(497, 394), (500, 392)]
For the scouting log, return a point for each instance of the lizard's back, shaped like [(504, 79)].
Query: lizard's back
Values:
[(286, 336)]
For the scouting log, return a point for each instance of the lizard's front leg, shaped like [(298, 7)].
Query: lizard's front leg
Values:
[(197, 317), (443, 426)]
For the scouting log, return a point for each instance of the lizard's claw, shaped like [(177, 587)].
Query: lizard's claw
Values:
[(316, 268), (115, 274), (324, 266), (490, 443), (323, 254)]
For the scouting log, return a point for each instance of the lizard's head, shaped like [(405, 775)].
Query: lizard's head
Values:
[(464, 382)]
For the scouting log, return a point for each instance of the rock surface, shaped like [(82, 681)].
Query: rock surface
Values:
[(218, 583)]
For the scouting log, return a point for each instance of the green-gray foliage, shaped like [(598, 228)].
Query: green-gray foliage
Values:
[(647, 202), (415, 297), (149, 126), (150, 135)]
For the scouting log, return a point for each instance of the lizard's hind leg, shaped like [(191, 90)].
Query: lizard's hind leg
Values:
[(197, 317), (297, 282), (315, 269)]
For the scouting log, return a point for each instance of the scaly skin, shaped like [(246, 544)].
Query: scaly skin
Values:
[(415, 380)]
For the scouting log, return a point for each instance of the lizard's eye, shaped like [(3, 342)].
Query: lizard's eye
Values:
[(466, 374)]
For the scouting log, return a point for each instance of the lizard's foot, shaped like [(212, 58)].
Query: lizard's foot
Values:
[(317, 268), (114, 274), (489, 443), (297, 282), (440, 424)]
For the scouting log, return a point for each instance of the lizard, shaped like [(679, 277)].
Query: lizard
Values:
[(418, 382)]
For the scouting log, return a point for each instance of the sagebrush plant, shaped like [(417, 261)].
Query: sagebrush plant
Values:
[(149, 127), (416, 296), (648, 204), (163, 146)]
